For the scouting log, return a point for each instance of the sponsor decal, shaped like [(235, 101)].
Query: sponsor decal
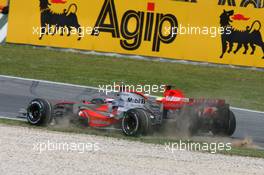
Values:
[(193, 1), (243, 3), (135, 100), (251, 36), (152, 22), (63, 22), (163, 29), (240, 17), (176, 99), (58, 1)]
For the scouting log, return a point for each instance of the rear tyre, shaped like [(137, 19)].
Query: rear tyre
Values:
[(136, 122), (231, 125), (226, 126), (39, 112)]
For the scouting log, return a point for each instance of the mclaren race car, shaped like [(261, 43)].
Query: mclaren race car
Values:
[(135, 114)]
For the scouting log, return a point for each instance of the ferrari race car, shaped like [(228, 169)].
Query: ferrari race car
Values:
[(135, 114)]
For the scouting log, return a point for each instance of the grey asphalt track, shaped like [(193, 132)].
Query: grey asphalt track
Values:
[(15, 94)]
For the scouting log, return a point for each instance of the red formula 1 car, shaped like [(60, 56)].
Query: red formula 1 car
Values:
[(135, 114)]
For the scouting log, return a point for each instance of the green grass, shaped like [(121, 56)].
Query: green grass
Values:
[(238, 151), (241, 88), (246, 152)]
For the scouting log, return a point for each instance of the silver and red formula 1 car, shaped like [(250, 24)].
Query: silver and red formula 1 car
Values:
[(135, 114)]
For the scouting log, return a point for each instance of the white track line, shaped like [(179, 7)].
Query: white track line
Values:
[(48, 82), (13, 118), (246, 110), (95, 88)]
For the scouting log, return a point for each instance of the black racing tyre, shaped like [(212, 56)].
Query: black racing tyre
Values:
[(136, 122), (225, 126), (39, 112), (231, 125)]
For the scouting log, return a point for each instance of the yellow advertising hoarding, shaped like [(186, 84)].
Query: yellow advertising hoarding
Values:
[(3, 2), (215, 31)]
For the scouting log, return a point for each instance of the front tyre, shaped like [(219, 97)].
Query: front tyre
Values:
[(136, 122), (39, 112)]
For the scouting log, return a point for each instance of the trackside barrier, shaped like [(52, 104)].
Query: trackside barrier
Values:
[(215, 31)]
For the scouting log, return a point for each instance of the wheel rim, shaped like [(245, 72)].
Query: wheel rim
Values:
[(130, 123), (34, 112)]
